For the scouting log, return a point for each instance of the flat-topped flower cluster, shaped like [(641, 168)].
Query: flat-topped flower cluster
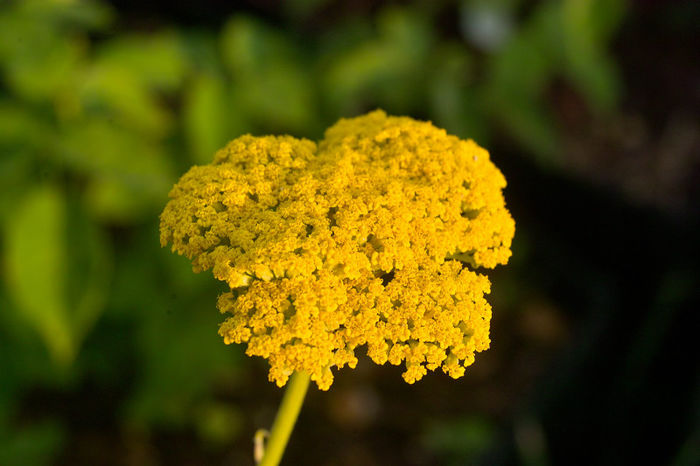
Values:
[(370, 237)]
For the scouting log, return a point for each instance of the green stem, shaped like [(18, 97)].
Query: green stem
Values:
[(286, 417)]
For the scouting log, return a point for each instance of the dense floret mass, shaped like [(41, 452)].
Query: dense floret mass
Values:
[(372, 237)]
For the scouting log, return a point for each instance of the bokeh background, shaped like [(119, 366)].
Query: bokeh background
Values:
[(109, 352)]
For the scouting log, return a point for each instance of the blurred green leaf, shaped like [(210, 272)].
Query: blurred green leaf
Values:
[(175, 321), (57, 270), (272, 86), (182, 358), (142, 263), (455, 102), (130, 175), (210, 121), (36, 260), (386, 66), (44, 69), (201, 49), (560, 38), (23, 358), (519, 74), (249, 47), (155, 60), (110, 200), (586, 25), (89, 269), (36, 444), (11, 379), (527, 62), (117, 92), (20, 135), (101, 148), (83, 14), (281, 98), (19, 127), (42, 44), (604, 18), (530, 125)]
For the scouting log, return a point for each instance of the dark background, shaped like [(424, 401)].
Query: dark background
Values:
[(108, 345)]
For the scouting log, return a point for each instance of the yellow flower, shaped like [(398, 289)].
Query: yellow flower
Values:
[(369, 238)]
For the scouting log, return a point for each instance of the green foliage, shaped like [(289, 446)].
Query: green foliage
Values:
[(59, 288), (383, 68), (587, 29), (271, 84), (129, 175), (97, 122), (35, 444), (208, 124), (559, 39)]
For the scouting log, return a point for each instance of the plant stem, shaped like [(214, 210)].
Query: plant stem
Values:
[(286, 417)]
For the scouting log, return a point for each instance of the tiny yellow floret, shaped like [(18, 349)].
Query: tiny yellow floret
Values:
[(371, 237)]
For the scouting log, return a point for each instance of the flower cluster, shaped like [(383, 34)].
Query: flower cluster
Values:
[(369, 238)]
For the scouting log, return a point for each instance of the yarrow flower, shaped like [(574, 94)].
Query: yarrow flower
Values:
[(369, 238)]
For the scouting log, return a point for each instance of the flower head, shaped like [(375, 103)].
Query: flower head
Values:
[(369, 238)]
